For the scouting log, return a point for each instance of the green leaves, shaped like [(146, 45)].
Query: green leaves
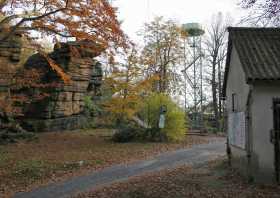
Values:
[(175, 127)]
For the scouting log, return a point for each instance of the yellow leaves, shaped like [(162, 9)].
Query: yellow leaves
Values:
[(119, 106), (146, 85)]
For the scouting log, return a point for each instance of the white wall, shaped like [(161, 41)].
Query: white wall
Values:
[(236, 83), (262, 123)]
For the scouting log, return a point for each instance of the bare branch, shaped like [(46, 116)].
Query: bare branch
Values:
[(26, 19)]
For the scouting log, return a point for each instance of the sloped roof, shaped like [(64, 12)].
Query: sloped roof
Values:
[(258, 50)]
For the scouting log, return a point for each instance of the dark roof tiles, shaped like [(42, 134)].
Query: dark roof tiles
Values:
[(258, 50)]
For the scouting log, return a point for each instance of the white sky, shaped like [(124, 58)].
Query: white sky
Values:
[(135, 12)]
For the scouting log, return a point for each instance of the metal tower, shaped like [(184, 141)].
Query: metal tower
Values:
[(193, 71)]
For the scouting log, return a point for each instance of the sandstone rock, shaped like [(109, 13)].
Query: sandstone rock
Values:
[(65, 96), (78, 96), (76, 108), (64, 108)]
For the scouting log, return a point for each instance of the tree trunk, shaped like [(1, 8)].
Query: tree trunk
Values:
[(220, 90), (214, 95)]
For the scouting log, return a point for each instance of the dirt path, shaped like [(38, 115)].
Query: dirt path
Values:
[(196, 155)]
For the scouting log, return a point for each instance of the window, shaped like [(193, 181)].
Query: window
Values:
[(233, 102)]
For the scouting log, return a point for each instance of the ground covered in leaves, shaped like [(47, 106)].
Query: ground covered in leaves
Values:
[(214, 180), (54, 157)]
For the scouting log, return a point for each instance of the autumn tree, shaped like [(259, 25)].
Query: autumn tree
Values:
[(121, 80), (93, 20), (128, 84), (262, 12), (162, 52), (215, 46)]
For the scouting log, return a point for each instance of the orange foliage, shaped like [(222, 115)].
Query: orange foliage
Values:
[(93, 20)]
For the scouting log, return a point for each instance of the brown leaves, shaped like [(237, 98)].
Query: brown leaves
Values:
[(60, 150), (56, 68), (186, 182)]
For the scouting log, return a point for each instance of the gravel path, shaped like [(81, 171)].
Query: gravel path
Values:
[(196, 156)]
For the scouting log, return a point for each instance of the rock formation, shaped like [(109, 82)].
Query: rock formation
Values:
[(10, 51), (63, 108)]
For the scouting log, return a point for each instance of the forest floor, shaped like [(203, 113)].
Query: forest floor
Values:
[(55, 157), (212, 180)]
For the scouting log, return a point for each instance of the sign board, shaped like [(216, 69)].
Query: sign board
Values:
[(161, 121), (237, 129)]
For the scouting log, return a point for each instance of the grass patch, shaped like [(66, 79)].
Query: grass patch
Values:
[(30, 169), (3, 157), (34, 170), (98, 162)]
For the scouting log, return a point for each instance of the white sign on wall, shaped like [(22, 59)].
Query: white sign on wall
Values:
[(237, 129)]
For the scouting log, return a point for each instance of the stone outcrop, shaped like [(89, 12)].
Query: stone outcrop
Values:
[(63, 108), (10, 51)]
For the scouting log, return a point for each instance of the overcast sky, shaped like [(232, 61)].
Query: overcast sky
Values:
[(135, 12)]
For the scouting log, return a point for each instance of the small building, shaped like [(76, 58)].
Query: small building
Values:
[(252, 93)]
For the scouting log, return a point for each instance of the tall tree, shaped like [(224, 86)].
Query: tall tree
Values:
[(162, 52), (215, 44), (128, 85)]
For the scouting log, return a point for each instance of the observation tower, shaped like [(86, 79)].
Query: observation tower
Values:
[(193, 71)]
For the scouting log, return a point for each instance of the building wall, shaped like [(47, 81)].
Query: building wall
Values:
[(236, 84), (256, 160), (262, 122)]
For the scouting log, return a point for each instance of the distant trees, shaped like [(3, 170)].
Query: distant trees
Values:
[(144, 82), (215, 44), (128, 84), (262, 12), (162, 52), (124, 81)]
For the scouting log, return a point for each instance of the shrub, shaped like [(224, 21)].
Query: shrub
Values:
[(125, 135), (91, 111), (130, 134), (89, 106), (127, 132), (175, 125)]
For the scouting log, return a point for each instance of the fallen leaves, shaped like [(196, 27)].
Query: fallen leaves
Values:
[(55, 157), (214, 180)]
